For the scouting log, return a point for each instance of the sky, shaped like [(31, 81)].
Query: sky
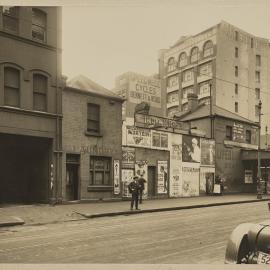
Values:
[(103, 39)]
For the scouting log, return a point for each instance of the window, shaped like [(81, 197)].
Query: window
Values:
[(100, 171), (257, 111), (39, 23), (183, 59), (248, 136), (204, 89), (185, 107), (160, 140), (236, 107), (172, 81), (251, 43), (236, 52), (187, 91), (257, 93), (12, 86), (205, 69), (258, 60), (194, 55), (228, 132), (40, 88), (171, 65), (236, 35), (236, 89), (208, 48), (172, 97), (257, 76), (93, 118), (188, 75), (10, 18), (236, 71)]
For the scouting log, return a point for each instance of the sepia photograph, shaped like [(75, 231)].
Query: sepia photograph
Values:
[(134, 133)]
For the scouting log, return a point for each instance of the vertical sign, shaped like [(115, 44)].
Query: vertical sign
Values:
[(116, 176), (175, 182), (127, 176), (141, 171), (163, 177)]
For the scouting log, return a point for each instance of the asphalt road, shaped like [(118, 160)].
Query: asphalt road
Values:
[(178, 237)]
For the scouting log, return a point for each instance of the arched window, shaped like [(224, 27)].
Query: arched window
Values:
[(194, 55), (39, 24), (12, 86), (183, 59), (208, 48), (40, 89), (171, 64)]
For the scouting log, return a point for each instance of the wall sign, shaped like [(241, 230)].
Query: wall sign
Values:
[(116, 176), (128, 157), (163, 177), (138, 137)]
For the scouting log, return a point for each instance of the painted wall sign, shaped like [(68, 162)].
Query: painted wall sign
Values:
[(163, 180), (128, 157), (116, 176), (207, 152), (138, 137)]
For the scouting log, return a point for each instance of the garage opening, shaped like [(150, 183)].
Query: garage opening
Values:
[(24, 169)]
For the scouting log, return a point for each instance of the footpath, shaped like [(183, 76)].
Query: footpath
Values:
[(39, 214)]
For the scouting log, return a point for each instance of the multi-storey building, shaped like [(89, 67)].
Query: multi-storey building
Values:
[(225, 62), (30, 104)]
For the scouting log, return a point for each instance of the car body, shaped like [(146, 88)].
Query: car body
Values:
[(249, 243)]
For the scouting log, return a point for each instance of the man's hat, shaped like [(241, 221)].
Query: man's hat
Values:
[(135, 177)]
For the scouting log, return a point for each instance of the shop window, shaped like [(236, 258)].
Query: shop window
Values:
[(188, 75), (39, 24), (208, 48), (40, 88), (100, 171), (194, 55), (248, 136), (12, 87), (171, 65), (160, 140), (93, 118), (10, 18), (183, 59), (228, 132), (258, 60)]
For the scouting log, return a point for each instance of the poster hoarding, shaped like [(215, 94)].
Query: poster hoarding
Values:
[(190, 175), (191, 151), (162, 184), (116, 176), (128, 157), (138, 137)]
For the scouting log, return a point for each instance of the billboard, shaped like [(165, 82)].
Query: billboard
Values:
[(191, 151), (162, 184), (138, 137), (207, 152)]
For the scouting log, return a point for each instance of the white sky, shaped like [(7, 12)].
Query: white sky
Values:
[(103, 39)]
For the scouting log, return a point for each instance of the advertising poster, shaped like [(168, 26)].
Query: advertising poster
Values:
[(141, 171), (190, 176), (191, 151), (138, 137), (128, 157), (208, 152), (127, 176), (248, 177), (162, 184), (207, 176), (116, 176), (175, 180)]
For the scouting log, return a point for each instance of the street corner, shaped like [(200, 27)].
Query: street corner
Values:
[(11, 221)]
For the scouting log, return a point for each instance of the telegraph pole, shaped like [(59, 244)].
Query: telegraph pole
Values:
[(259, 192)]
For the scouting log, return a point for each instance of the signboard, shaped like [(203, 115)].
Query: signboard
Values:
[(162, 185), (175, 182), (138, 137), (160, 122), (238, 132), (207, 152), (116, 176), (128, 157), (127, 176), (145, 89), (190, 185), (191, 149), (141, 170), (248, 177)]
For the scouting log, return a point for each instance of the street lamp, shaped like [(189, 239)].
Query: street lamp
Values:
[(259, 192)]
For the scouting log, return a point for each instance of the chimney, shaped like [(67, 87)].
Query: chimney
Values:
[(192, 102)]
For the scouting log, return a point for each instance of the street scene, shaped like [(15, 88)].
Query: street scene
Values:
[(128, 136)]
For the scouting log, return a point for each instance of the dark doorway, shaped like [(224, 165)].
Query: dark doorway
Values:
[(151, 181), (24, 169), (72, 177)]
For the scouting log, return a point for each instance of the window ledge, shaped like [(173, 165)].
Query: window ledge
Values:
[(100, 188), (94, 134)]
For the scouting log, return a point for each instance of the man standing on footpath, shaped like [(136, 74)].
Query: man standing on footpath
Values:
[(141, 182), (133, 188)]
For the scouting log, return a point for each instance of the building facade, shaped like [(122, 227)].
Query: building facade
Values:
[(234, 63), (30, 104), (92, 142)]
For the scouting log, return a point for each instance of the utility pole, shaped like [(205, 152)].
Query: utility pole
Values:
[(266, 144), (211, 112), (259, 192)]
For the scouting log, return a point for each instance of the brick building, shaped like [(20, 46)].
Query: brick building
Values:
[(30, 104), (92, 141), (235, 63)]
